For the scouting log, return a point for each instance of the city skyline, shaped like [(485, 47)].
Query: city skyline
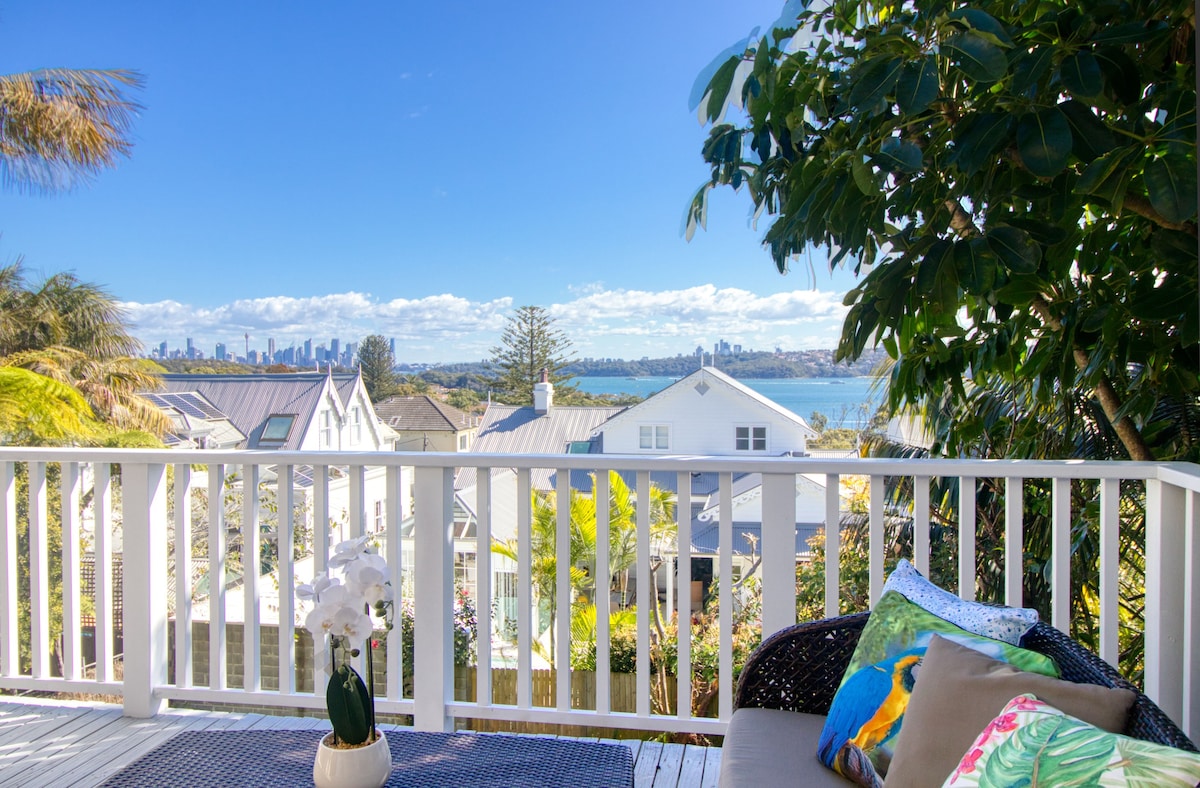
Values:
[(436, 166)]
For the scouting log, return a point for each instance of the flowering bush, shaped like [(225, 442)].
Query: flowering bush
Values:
[(342, 610)]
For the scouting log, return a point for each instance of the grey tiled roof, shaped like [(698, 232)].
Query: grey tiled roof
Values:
[(507, 429), (248, 400), (421, 413)]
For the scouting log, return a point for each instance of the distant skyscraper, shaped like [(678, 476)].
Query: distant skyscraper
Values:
[(308, 356), (351, 349), (335, 350), (271, 349), (191, 348), (162, 349), (220, 354), (392, 345)]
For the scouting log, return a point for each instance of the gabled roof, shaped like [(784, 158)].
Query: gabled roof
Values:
[(423, 413), (711, 376), (249, 400), (507, 429)]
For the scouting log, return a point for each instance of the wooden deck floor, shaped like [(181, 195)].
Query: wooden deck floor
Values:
[(53, 743)]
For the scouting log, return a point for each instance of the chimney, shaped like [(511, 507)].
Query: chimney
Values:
[(543, 394)]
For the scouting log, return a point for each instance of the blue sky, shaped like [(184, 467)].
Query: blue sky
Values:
[(318, 169)]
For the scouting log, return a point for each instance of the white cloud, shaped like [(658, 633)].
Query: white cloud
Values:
[(599, 321)]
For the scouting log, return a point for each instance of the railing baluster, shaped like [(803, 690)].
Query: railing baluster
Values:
[(1014, 541), (525, 611), (39, 573), (966, 538), (320, 556), (434, 608), (725, 596), (778, 552), (218, 677), (1191, 624), (285, 537), (183, 575), (72, 648), (9, 642), (395, 557), (1166, 537), (251, 569), (105, 617), (1110, 567), (876, 538), (604, 575), (833, 543), (921, 524), (645, 589), (144, 519), (1060, 558), (483, 586), (562, 590), (683, 619)]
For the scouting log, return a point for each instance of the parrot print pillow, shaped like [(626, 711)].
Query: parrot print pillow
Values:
[(868, 709), (1031, 738)]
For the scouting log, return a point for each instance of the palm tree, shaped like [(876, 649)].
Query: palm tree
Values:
[(60, 127), (74, 333)]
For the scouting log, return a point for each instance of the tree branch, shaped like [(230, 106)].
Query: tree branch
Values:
[(1142, 207)]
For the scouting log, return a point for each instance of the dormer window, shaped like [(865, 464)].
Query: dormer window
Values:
[(279, 425), (656, 437), (750, 438)]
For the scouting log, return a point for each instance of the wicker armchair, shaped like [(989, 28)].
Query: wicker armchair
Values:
[(800, 668)]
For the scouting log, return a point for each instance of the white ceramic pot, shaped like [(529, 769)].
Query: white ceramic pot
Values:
[(358, 767)]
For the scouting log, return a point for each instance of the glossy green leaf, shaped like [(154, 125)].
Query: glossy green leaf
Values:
[(1044, 233), (918, 85), (1044, 141), (1015, 248), (1130, 33), (936, 263), (718, 89), (875, 81), (864, 176), (976, 265), (1122, 80), (979, 59), (979, 139), (1030, 66), (897, 155), (982, 22), (1171, 185), (1091, 138), (1080, 74)]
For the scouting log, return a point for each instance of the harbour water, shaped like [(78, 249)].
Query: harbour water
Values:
[(845, 402)]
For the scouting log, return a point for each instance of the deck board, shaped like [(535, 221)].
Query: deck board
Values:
[(53, 743)]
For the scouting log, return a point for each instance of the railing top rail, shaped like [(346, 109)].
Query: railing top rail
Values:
[(1186, 475)]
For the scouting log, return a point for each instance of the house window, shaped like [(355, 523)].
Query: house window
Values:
[(465, 572), (654, 436), (326, 430), (462, 442), (277, 428), (379, 517), (751, 439), (355, 426)]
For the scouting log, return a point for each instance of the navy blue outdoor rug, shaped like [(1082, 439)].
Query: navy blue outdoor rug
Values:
[(270, 758)]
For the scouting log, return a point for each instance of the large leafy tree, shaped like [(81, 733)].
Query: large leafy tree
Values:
[(1015, 182), (377, 364), (530, 343)]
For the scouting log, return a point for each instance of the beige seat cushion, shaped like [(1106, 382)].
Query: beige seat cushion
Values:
[(959, 691), (765, 748)]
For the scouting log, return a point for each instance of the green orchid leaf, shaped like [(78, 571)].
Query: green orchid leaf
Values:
[(1044, 141)]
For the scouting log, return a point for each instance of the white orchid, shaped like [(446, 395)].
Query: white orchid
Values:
[(368, 577), (347, 551), (342, 605)]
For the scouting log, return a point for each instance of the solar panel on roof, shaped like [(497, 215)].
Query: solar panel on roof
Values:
[(203, 405), (184, 405)]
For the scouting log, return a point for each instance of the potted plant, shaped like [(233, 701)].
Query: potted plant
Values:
[(355, 754)]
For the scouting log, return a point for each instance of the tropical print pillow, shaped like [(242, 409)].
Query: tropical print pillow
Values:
[(864, 719), (992, 621), (1032, 738)]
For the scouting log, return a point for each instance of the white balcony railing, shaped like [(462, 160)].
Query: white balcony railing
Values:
[(116, 501)]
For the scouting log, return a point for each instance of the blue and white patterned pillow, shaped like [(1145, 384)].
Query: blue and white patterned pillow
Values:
[(1001, 623)]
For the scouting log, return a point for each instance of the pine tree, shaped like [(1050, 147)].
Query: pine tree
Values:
[(529, 344), (377, 362)]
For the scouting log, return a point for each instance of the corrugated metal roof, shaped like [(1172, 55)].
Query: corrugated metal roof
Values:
[(248, 400), (706, 537), (507, 429), (421, 413)]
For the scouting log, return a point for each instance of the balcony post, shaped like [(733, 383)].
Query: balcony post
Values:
[(778, 552), (433, 652), (1166, 536), (144, 507)]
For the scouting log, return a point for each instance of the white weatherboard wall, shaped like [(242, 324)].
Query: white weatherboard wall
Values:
[(702, 412)]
